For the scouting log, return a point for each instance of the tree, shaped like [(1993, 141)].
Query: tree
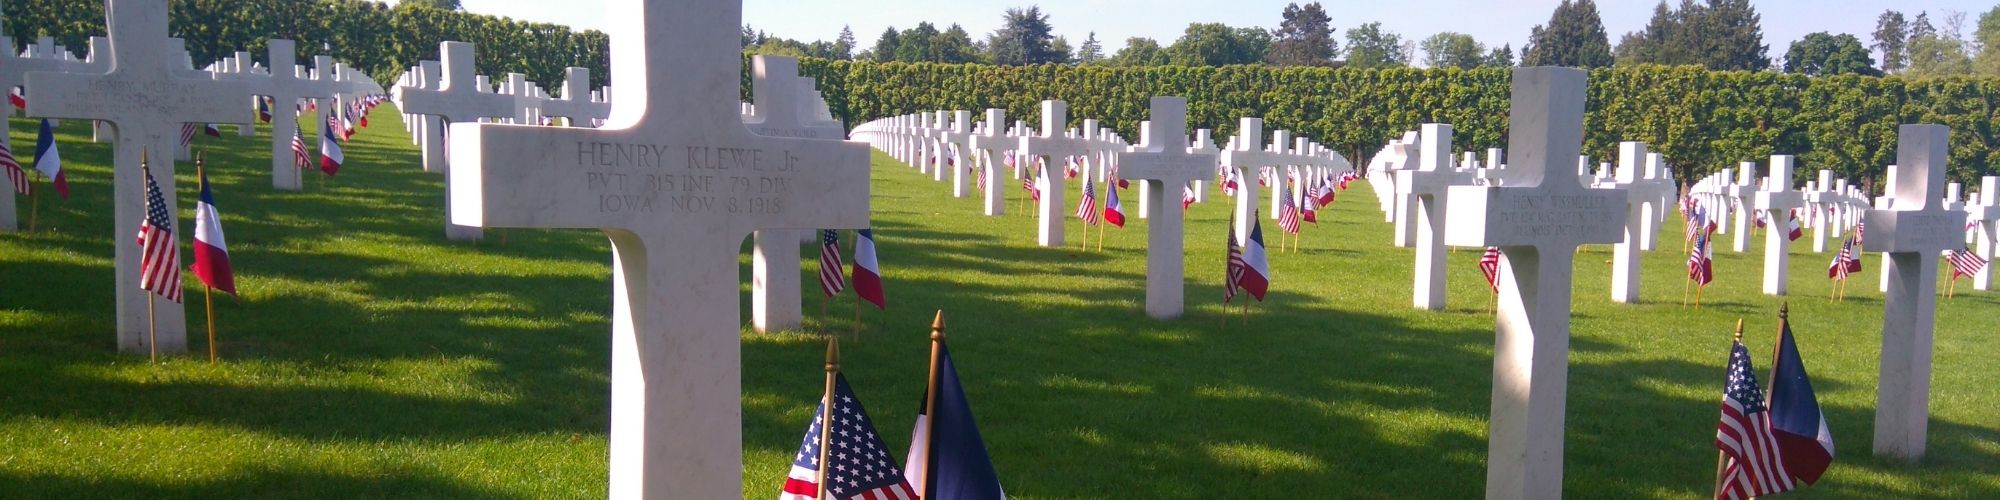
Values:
[(1139, 51), (917, 44), (843, 47), (1934, 52), (1663, 41), (1216, 44), (1732, 36), (1574, 36), (1987, 38), (885, 47), (448, 5), (1091, 52), (1370, 47), (1827, 54), (1892, 35), (1502, 56), (1024, 38), (1063, 54), (1453, 50), (1304, 38), (954, 46)]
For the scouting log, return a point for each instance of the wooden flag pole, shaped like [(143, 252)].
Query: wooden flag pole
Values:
[(1685, 285), (1697, 295), (34, 203), (930, 400), (826, 411), (208, 299), (152, 330)]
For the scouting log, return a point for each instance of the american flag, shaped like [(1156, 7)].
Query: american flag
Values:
[(1860, 228), (1034, 191), (830, 280), (861, 464), (1701, 264), (1229, 181), (1187, 196), (1696, 219), (1964, 262), (1754, 465), (187, 134), (1086, 208), (1234, 271), (1288, 213), (160, 255), (15, 175), (300, 157), (1489, 265), (1844, 263)]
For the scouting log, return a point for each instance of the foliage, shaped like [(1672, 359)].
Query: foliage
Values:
[(1721, 35), (1025, 37), (1573, 37), (1216, 44), (1368, 46), (1091, 52), (1939, 52), (365, 35), (1304, 37), (1823, 53), (1701, 120), (1139, 51), (1454, 50), (1892, 34), (1987, 38)]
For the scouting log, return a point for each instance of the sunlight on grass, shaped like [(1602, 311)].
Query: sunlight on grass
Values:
[(1262, 458)]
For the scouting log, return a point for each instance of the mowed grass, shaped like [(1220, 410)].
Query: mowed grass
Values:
[(369, 357)]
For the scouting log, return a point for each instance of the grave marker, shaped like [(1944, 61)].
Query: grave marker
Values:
[(1164, 159), (1425, 190), (780, 111), (1052, 142), (988, 145), (1777, 200), (1912, 233), (676, 182), (144, 99), (1985, 213), (457, 104), (1538, 222)]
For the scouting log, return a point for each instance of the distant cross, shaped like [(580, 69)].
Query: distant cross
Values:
[(1054, 144), (285, 89), (456, 103), (1912, 233), (1426, 190), (1985, 212), (1778, 200), (989, 145), (1245, 154), (575, 104), (1537, 220), (1164, 160), (13, 70), (1637, 175), (958, 138), (1743, 193), (677, 182), (145, 100), (781, 111)]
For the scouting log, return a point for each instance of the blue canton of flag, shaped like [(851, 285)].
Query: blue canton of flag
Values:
[(860, 464)]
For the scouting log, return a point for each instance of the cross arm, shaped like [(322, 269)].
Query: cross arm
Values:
[(100, 97)]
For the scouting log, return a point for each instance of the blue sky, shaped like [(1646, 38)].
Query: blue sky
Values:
[(1492, 22)]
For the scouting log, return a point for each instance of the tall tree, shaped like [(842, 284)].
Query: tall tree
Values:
[(1091, 52), (1502, 56), (1370, 47), (1574, 36), (1216, 44), (1987, 38), (1823, 53), (843, 47), (917, 44), (885, 47), (1939, 52), (434, 4), (1063, 54), (1663, 41), (1304, 37), (1139, 51), (1453, 50), (1732, 36), (1024, 38), (1892, 35), (954, 46)]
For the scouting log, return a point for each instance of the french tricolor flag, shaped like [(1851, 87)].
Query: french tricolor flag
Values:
[(211, 254), (48, 160), (1797, 230), (867, 275), (329, 149), (1257, 275), (1114, 212)]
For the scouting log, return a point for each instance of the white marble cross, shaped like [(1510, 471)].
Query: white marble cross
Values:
[(987, 146), (1164, 160), (1912, 233), (955, 143), (676, 181), (1742, 194), (1986, 213), (1054, 144), (1537, 221), (575, 104), (1822, 201), (780, 111), (1777, 200), (456, 103), (13, 69), (1635, 175), (146, 102), (1247, 154), (285, 88), (1425, 190)]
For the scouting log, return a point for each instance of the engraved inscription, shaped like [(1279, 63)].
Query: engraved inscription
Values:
[(1933, 232), (664, 178), (1557, 216)]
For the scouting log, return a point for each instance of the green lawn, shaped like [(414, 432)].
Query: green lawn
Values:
[(368, 357)]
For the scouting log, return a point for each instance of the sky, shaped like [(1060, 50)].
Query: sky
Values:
[(1492, 22)]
